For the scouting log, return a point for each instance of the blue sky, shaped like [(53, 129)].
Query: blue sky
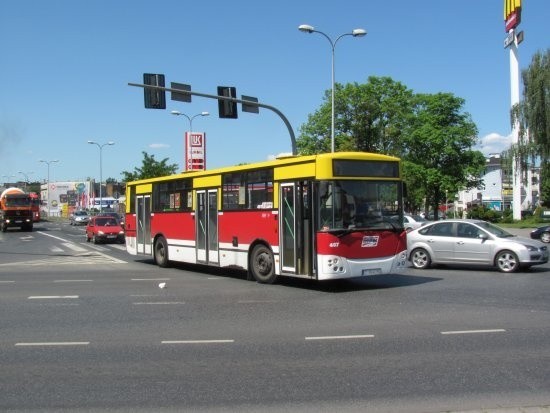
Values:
[(66, 66)]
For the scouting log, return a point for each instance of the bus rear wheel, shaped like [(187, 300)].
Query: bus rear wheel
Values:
[(161, 252), (262, 265)]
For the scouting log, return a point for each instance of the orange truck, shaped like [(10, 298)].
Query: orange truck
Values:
[(15, 210)]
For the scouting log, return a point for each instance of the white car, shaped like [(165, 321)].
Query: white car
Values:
[(413, 222), (472, 242)]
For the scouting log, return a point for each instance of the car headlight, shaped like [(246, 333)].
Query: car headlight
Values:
[(100, 233), (531, 248)]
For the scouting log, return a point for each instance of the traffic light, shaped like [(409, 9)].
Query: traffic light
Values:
[(154, 98), (226, 108)]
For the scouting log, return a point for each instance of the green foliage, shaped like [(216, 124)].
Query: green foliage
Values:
[(532, 118), (431, 133), (150, 168), (484, 213), (368, 117), (507, 216)]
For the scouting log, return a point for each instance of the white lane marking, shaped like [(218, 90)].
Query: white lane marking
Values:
[(55, 343), (196, 341), (496, 330), (112, 259), (52, 236), (256, 301), (73, 247), (159, 303), (150, 279), (6, 282), (73, 281), (49, 297), (56, 249), (340, 337)]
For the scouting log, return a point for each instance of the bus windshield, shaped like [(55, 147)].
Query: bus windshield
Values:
[(347, 204)]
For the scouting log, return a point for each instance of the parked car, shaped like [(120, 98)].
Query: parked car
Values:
[(103, 229), (542, 233), (413, 222), (472, 242), (80, 217)]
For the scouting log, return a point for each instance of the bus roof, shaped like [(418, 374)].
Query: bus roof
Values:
[(282, 161)]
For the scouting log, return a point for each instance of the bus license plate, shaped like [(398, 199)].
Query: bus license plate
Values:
[(372, 271)]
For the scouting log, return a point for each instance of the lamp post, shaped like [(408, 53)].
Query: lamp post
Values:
[(306, 28), (188, 137), (26, 175), (189, 118), (48, 193), (100, 146)]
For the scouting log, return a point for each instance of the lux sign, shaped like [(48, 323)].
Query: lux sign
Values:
[(195, 152)]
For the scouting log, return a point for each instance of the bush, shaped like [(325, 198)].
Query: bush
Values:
[(484, 213)]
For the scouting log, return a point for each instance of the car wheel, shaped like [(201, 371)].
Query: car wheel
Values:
[(262, 265), (545, 237), (507, 261), (94, 238), (161, 252), (420, 259)]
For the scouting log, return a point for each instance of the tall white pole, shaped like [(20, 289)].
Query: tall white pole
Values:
[(514, 99)]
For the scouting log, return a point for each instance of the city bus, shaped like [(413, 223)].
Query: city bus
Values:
[(35, 206), (321, 217)]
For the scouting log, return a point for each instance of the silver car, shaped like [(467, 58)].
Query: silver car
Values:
[(472, 242), (79, 218)]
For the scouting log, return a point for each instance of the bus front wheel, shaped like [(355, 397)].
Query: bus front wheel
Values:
[(161, 252), (262, 265)]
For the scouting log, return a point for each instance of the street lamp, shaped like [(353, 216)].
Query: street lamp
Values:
[(189, 118), (100, 146), (189, 134), (26, 175), (48, 193), (306, 28)]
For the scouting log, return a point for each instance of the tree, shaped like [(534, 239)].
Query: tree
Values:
[(431, 133), (532, 115), (438, 155), (150, 169), (368, 117)]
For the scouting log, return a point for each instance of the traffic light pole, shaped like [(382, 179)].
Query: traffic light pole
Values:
[(230, 99)]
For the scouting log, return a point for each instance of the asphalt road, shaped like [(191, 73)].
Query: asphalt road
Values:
[(86, 328)]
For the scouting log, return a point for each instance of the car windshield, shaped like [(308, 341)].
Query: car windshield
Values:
[(345, 205), (493, 229), (81, 213), (106, 222)]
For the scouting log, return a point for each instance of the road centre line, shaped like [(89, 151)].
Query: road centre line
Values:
[(7, 282), (159, 303), (197, 341), (73, 281), (150, 279), (496, 330), (54, 343), (48, 297), (340, 337)]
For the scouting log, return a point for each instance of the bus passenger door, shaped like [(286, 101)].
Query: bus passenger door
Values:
[(143, 224), (207, 227), (295, 228)]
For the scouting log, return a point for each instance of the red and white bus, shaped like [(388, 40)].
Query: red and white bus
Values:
[(328, 216), (35, 206)]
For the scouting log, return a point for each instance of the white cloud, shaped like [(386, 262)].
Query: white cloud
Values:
[(494, 143), (159, 145)]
